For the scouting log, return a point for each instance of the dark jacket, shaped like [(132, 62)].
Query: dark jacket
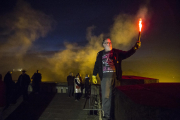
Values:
[(87, 84), (36, 78), (23, 81), (70, 80), (118, 56), (8, 81)]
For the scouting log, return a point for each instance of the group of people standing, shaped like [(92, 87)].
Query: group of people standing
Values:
[(76, 86), (15, 90)]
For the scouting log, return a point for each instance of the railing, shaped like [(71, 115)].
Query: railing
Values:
[(93, 101), (52, 87)]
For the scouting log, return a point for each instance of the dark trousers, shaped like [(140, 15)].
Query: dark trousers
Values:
[(87, 91), (107, 87), (82, 87), (10, 96), (22, 91), (36, 87), (9, 93), (77, 96), (70, 90)]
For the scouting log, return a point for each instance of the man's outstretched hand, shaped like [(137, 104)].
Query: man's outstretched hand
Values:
[(94, 80), (137, 45)]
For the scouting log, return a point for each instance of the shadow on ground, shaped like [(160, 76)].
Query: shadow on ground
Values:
[(33, 109)]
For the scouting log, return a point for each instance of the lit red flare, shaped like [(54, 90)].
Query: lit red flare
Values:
[(140, 24)]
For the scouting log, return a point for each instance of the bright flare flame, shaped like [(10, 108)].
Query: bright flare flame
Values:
[(140, 24)]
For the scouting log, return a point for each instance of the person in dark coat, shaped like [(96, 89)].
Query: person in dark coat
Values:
[(70, 81), (10, 88), (2, 94), (87, 86), (23, 83), (36, 82), (108, 66)]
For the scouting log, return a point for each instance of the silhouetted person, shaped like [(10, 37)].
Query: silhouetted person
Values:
[(10, 88), (108, 66), (70, 81), (36, 82), (23, 83), (77, 84), (2, 96), (87, 86), (1, 79), (81, 83), (2, 93)]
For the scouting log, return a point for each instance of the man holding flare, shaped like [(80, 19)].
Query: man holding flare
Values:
[(108, 66)]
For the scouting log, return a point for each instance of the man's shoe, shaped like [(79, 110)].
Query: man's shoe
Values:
[(106, 118)]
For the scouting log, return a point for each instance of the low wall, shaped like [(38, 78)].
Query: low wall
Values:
[(60, 88), (157, 101), (51, 87)]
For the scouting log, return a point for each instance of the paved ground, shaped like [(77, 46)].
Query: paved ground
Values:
[(48, 106)]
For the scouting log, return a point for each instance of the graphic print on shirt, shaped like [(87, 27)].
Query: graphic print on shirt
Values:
[(107, 61)]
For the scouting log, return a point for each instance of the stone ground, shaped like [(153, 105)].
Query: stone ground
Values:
[(48, 106)]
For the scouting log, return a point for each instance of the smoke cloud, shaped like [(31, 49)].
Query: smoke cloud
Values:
[(78, 59), (25, 25), (20, 28), (123, 31)]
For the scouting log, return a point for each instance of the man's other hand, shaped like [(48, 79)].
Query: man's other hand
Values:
[(94, 80)]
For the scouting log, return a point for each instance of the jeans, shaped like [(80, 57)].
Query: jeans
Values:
[(108, 94)]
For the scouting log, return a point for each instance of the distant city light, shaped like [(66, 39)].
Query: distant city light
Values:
[(20, 69)]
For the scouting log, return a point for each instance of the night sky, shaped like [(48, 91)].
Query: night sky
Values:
[(60, 36)]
